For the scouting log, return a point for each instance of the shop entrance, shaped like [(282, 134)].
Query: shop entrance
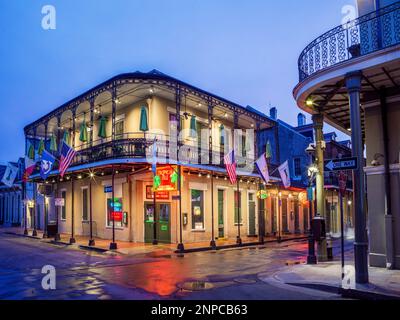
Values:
[(163, 222)]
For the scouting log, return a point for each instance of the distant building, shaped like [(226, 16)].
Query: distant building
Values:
[(11, 209)]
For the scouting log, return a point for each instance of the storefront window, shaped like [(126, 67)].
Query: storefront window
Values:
[(197, 209), (114, 211)]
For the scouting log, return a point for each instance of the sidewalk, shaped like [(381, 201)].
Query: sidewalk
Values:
[(132, 248), (383, 283)]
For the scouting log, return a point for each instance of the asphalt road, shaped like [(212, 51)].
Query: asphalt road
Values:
[(227, 274)]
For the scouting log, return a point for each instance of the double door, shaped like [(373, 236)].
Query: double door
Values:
[(159, 220)]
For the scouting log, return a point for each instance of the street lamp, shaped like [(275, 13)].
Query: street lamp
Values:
[(311, 172)]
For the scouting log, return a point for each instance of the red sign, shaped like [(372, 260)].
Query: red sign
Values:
[(165, 173), (116, 215), (160, 195), (342, 183)]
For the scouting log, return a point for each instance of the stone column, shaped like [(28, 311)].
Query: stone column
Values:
[(353, 85), (318, 120)]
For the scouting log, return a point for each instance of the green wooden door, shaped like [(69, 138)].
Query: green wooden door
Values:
[(148, 222), (164, 223), (221, 229), (252, 215)]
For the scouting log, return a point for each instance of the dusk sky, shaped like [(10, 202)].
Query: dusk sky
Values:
[(244, 51)]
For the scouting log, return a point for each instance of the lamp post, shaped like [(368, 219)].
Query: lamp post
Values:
[(312, 171)]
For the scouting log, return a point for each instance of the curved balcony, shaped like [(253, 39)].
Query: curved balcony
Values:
[(370, 33)]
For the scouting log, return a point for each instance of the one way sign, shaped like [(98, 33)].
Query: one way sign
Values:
[(341, 164)]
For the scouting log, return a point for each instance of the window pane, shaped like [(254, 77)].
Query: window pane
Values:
[(197, 209), (114, 210)]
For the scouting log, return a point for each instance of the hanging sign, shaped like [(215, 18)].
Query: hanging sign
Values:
[(168, 181), (59, 202), (310, 194), (262, 194), (342, 183), (107, 189)]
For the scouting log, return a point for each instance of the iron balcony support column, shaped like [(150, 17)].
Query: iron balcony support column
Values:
[(57, 236), (45, 214), (318, 120), (261, 202), (353, 84), (91, 240), (239, 204), (180, 247), (311, 258), (25, 205), (213, 245), (34, 232), (389, 231), (72, 239), (113, 244)]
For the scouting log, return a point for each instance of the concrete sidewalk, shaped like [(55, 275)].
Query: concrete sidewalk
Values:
[(383, 283)]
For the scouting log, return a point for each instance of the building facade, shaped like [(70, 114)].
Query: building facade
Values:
[(119, 127), (350, 77), (11, 207)]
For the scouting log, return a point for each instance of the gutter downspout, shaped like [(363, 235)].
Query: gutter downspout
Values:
[(390, 256)]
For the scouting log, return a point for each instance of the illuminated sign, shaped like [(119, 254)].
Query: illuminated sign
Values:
[(116, 215), (160, 195), (168, 181), (262, 194)]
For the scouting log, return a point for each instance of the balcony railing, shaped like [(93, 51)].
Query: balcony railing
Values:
[(140, 146), (372, 32)]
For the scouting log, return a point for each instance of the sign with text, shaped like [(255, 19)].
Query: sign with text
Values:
[(341, 164), (160, 195), (107, 189), (166, 174), (59, 202), (116, 215)]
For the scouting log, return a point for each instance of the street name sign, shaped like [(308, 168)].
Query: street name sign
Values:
[(341, 164)]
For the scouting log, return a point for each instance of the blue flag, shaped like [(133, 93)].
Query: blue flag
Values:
[(46, 164)]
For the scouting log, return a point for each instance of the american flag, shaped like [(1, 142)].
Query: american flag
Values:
[(67, 154), (230, 165)]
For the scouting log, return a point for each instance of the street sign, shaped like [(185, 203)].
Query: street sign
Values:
[(341, 164), (107, 189)]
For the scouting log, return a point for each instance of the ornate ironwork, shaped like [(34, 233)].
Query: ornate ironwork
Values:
[(372, 32)]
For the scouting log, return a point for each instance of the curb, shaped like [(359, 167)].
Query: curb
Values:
[(237, 246)]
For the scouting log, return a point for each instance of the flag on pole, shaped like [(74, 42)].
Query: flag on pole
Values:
[(29, 167), (262, 167), (46, 164), (67, 155), (10, 175), (284, 173), (230, 165)]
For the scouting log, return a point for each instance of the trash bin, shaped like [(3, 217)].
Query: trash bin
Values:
[(52, 229), (318, 228)]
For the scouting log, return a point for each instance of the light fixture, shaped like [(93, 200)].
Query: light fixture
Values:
[(91, 174), (68, 177), (225, 178), (199, 174), (252, 125), (309, 102), (116, 172), (151, 90), (226, 115), (280, 194), (102, 173), (80, 176), (208, 176), (349, 202)]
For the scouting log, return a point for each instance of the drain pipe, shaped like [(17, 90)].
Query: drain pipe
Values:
[(390, 257)]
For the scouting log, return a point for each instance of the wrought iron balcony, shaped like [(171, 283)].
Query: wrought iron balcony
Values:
[(370, 33), (138, 146)]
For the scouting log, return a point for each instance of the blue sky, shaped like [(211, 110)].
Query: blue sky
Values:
[(245, 51)]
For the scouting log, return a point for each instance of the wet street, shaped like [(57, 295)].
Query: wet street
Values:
[(80, 274)]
